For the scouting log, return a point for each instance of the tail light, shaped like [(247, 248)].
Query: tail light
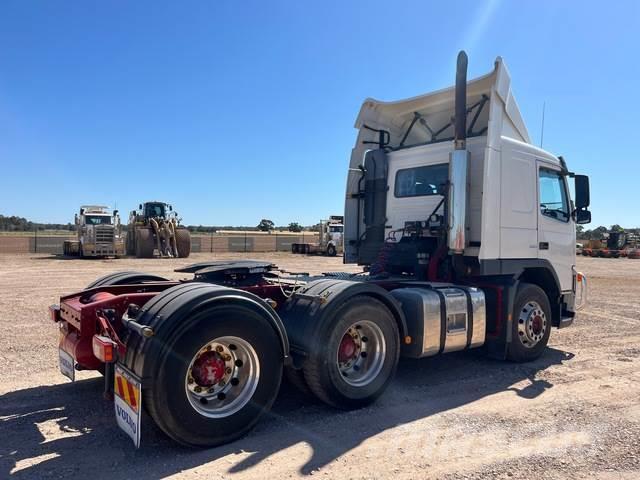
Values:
[(54, 312), (104, 349)]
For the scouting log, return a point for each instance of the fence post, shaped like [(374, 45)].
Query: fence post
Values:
[(211, 242), (35, 243)]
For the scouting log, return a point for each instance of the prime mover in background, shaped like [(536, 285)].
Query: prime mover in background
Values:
[(154, 229), (99, 233), (467, 231), (330, 234)]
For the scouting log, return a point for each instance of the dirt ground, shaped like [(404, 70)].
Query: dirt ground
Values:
[(574, 413)]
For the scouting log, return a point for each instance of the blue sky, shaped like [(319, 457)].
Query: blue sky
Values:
[(236, 111)]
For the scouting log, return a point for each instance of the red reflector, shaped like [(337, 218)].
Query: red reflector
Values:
[(54, 312), (104, 349)]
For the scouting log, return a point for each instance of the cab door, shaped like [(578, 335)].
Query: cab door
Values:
[(556, 229)]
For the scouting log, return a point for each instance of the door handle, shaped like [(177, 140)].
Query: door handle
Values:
[(543, 245)]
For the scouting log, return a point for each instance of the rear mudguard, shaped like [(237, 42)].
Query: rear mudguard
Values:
[(170, 310), (312, 308)]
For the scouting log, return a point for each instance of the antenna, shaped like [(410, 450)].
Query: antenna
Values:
[(542, 128)]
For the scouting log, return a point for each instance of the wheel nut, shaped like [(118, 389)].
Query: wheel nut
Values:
[(227, 357), (190, 380), (219, 348), (211, 390), (197, 389), (228, 370)]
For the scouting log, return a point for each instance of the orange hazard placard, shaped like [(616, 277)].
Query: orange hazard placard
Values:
[(127, 389)]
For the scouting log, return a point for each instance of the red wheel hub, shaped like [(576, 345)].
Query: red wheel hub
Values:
[(537, 324), (208, 369), (347, 349)]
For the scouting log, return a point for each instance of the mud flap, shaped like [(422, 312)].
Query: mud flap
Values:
[(127, 389)]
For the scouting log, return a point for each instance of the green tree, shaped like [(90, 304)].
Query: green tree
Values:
[(295, 227), (266, 225)]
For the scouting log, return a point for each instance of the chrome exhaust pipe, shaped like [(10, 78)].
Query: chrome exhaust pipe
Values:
[(458, 164)]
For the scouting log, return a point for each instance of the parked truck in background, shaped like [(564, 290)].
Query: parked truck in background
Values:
[(155, 229), (330, 242), (99, 233), (467, 231)]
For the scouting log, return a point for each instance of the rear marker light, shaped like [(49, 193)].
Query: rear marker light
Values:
[(54, 312), (104, 349)]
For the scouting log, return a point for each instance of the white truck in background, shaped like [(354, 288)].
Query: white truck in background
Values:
[(330, 234), (99, 233)]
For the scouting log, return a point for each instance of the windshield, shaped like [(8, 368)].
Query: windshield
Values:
[(154, 210), (97, 220), (335, 229)]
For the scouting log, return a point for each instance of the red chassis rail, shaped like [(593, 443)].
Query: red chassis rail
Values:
[(98, 312)]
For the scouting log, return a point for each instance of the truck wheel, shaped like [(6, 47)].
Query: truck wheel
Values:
[(183, 242), (144, 243), (356, 355), (130, 250), (294, 248), (295, 376), (216, 377), (331, 251), (531, 324)]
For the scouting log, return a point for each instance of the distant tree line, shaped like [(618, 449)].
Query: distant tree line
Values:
[(599, 232), (20, 224)]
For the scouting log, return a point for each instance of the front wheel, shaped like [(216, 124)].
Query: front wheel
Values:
[(531, 324), (355, 356), (217, 377), (331, 251)]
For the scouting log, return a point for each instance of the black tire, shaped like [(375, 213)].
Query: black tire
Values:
[(331, 251), (321, 370), (144, 243), (295, 376), (167, 399), (529, 300), (131, 251), (183, 242), (294, 248), (124, 278)]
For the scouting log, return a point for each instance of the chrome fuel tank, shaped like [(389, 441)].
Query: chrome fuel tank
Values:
[(442, 318)]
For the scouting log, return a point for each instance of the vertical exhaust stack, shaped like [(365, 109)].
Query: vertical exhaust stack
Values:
[(458, 163)]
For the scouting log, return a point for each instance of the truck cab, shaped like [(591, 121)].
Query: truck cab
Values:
[(448, 186), (99, 233)]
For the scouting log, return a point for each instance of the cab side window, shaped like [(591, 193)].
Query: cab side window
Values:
[(553, 195)]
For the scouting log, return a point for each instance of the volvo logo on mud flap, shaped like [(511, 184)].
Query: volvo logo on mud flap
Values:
[(125, 417)]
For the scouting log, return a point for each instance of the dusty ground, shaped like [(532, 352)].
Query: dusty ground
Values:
[(574, 413)]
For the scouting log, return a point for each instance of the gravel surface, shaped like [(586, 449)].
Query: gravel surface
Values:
[(574, 413)]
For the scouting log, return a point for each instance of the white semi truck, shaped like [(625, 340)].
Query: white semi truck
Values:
[(99, 233), (330, 235), (467, 231)]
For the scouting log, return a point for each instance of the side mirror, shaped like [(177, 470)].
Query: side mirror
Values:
[(115, 213), (75, 219), (583, 216), (140, 207), (582, 191), (170, 208)]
